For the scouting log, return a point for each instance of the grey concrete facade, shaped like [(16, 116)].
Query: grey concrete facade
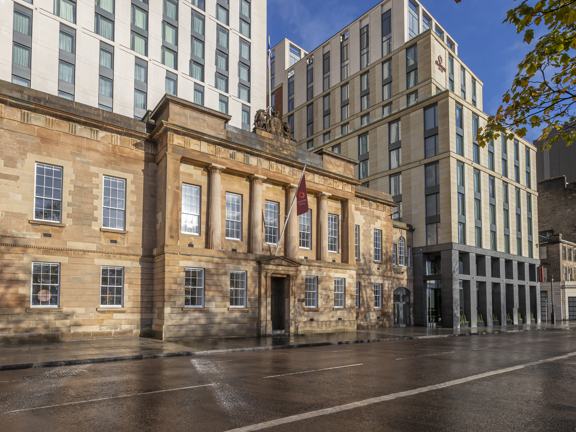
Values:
[(476, 282)]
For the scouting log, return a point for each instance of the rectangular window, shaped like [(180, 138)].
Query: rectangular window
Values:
[(451, 72), (271, 222), (394, 254), (311, 292), (48, 193), (432, 233), (363, 169), (66, 42), (339, 292), (413, 20), (198, 3), (65, 9), (305, 232), (104, 27), (223, 104), (377, 245), (233, 216), (237, 289), (463, 83), (45, 285), (114, 203), (396, 185), (473, 91), (386, 32), (245, 115), (377, 296), (357, 241), (364, 47), (112, 286), (412, 98), (333, 230), (431, 144), (244, 94), (191, 209), (504, 157), (395, 158), (460, 174), (139, 44), (222, 14), (194, 288)]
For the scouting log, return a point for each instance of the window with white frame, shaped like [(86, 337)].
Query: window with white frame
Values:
[(339, 292), (306, 230), (378, 296), (333, 233), (238, 289), (48, 193), (111, 286), (271, 222), (377, 245), (114, 203), (45, 285), (191, 209), (194, 288), (357, 241), (311, 292), (357, 295), (401, 251), (233, 216)]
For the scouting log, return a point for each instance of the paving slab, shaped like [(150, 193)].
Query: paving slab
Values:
[(66, 353)]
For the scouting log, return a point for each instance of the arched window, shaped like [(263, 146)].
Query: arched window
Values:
[(401, 251)]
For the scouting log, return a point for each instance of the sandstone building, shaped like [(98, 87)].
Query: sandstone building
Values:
[(111, 226), (390, 91), (558, 245), (123, 56)]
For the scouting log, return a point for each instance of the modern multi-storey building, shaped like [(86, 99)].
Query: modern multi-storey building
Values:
[(560, 160), (390, 91), (123, 56), (110, 226)]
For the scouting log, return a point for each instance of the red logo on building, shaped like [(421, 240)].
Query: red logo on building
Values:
[(439, 62)]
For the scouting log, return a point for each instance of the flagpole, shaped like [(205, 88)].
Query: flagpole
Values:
[(290, 211), (269, 77)]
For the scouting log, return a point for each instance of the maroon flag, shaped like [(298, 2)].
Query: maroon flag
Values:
[(302, 197)]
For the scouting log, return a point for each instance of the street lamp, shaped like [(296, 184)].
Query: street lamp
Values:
[(552, 315)]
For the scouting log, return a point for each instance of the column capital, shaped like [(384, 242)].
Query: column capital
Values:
[(214, 168), (257, 177), (291, 186), (324, 195)]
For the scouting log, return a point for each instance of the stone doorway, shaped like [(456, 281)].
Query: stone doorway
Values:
[(278, 285)]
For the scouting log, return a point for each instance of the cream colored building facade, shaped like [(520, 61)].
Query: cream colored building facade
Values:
[(124, 55), (390, 91)]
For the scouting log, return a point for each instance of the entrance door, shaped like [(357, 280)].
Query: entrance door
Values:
[(435, 307), (572, 308), (278, 303), (401, 307)]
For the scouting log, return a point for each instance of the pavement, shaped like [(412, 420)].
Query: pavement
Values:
[(68, 353), (506, 381)]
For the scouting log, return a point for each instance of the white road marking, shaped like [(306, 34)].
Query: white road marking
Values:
[(385, 398), (315, 370), (426, 355), (109, 398)]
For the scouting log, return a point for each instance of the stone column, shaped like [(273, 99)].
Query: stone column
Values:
[(323, 226), (256, 214), (215, 207), (291, 234), (348, 239)]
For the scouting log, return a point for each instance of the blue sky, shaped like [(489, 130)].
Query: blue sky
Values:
[(488, 47)]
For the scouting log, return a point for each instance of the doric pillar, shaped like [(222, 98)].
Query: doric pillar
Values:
[(291, 235), (215, 207), (323, 226), (256, 214)]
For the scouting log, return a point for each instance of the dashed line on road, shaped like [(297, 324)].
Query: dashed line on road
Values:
[(385, 398), (314, 370), (426, 355), (109, 398)]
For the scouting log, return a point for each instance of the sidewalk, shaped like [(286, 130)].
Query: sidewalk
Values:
[(52, 354)]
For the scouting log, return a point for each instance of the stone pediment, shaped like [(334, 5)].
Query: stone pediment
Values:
[(279, 261)]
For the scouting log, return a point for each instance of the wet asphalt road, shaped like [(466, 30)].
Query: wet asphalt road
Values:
[(502, 382)]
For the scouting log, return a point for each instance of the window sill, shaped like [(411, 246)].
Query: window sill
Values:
[(194, 309), (47, 223), (233, 239), (110, 309), (309, 309), (339, 308), (110, 230), (44, 309), (238, 309)]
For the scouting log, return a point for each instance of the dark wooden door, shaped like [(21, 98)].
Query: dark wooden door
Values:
[(278, 304)]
